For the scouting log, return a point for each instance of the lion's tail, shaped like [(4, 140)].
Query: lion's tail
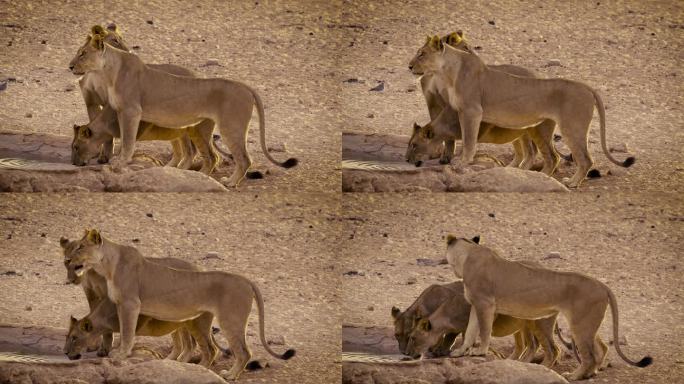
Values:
[(646, 361), (260, 305), (289, 163), (602, 115)]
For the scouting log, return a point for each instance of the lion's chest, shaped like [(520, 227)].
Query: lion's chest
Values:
[(113, 292)]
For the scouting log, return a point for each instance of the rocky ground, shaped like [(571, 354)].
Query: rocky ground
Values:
[(282, 242), (632, 242), (631, 52), (285, 50)]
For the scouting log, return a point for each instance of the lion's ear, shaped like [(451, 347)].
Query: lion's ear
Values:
[(63, 242), (424, 325), (476, 239), (436, 43), (72, 320), (86, 132), (416, 126), (112, 27), (454, 39), (76, 128), (97, 30), (451, 239), (93, 236), (396, 312), (87, 325), (428, 132), (97, 42), (427, 39)]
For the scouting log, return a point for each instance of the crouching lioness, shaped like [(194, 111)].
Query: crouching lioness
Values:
[(138, 286), (137, 93), (494, 285)]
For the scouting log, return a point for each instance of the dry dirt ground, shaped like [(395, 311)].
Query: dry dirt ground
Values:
[(282, 242), (631, 52), (632, 242), (285, 50)]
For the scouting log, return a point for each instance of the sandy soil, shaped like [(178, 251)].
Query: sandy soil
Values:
[(279, 241), (631, 52), (632, 242), (285, 50)]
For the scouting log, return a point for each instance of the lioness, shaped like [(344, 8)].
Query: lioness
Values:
[(426, 303), (452, 317), (104, 310), (138, 286), (479, 94), (496, 285), (94, 94), (137, 93), (447, 127)]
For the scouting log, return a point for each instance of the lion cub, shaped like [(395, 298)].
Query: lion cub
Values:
[(494, 285)]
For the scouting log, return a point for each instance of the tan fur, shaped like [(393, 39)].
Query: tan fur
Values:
[(94, 90), (445, 122), (137, 93), (452, 317), (496, 285), (426, 303), (103, 319), (479, 93), (138, 286)]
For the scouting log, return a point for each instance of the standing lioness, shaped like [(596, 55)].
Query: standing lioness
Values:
[(137, 92), (479, 93), (138, 286), (494, 285)]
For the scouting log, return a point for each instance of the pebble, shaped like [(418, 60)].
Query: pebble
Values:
[(622, 340), (617, 171), (552, 255), (3, 85), (29, 115), (621, 147), (29, 308), (276, 340), (553, 63), (370, 308), (354, 273), (69, 88), (430, 262), (211, 62), (411, 281), (277, 147), (370, 116), (379, 88), (211, 255)]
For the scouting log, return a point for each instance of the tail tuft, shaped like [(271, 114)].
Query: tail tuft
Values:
[(645, 362), (254, 175), (291, 352), (629, 162), (594, 174), (291, 162), (254, 365)]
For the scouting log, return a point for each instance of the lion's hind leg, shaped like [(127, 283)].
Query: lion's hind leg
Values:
[(234, 132)]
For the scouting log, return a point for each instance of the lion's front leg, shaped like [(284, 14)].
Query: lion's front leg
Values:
[(470, 126), (470, 335), (447, 151), (129, 119), (485, 311), (106, 151), (128, 312)]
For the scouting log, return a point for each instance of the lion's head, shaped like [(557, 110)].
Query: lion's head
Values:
[(423, 144), (428, 58), (81, 255), (89, 55), (81, 335), (86, 144)]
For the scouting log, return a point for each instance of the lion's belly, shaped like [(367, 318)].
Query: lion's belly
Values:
[(512, 120), (170, 120), (522, 310), (169, 311)]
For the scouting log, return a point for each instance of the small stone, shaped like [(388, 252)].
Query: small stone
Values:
[(621, 147), (354, 273), (149, 215), (351, 80), (211, 255), (28, 308), (150, 22), (552, 255), (617, 171), (211, 62), (43, 41), (277, 147), (411, 281), (379, 88), (491, 215), (276, 340), (69, 88), (28, 115), (430, 262), (553, 63), (370, 308), (3, 85), (622, 340), (491, 22), (370, 116)]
